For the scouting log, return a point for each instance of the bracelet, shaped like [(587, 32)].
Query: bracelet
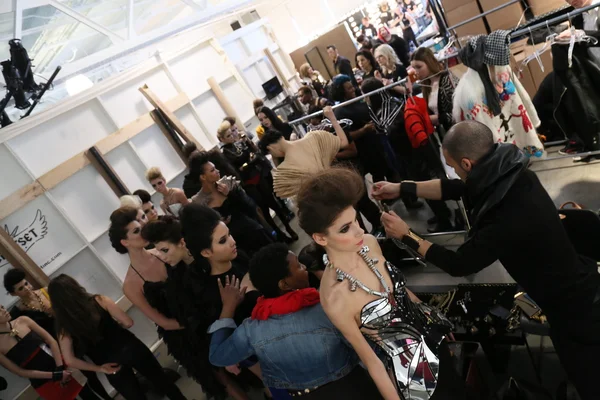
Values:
[(412, 240), (408, 189), (59, 367), (57, 375)]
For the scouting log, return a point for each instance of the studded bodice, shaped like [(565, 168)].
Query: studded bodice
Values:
[(408, 334)]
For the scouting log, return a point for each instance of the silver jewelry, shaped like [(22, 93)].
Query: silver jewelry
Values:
[(354, 283)]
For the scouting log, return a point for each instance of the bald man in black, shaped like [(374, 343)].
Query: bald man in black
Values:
[(515, 221)]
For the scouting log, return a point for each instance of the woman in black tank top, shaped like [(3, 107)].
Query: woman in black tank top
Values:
[(97, 327)]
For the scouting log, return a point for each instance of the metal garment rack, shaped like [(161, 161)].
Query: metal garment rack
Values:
[(483, 14), (359, 98), (546, 24), (552, 21), (345, 103)]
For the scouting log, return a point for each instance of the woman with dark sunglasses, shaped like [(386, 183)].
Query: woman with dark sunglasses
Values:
[(173, 198)]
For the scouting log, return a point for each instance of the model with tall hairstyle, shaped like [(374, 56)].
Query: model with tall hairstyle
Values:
[(366, 297), (257, 181), (125, 234), (226, 196), (188, 346)]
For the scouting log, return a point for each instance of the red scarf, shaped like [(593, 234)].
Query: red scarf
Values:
[(286, 304)]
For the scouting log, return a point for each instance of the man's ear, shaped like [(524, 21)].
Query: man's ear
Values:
[(466, 164)]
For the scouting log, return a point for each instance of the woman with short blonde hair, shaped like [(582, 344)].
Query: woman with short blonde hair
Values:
[(173, 198)]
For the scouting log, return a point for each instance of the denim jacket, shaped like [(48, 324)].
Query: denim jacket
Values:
[(297, 351)]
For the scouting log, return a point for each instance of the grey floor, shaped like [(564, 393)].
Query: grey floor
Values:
[(565, 181)]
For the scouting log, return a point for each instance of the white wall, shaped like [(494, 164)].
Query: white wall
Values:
[(64, 230), (295, 23)]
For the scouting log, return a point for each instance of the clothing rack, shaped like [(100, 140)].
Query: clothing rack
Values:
[(359, 98), (345, 103), (552, 21), (483, 14)]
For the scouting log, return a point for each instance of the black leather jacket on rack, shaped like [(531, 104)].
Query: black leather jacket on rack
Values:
[(577, 92)]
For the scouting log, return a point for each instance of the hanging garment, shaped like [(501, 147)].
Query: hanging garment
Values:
[(517, 119), (579, 87), (417, 122)]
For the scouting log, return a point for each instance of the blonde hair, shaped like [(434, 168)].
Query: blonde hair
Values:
[(223, 128), (257, 103), (388, 52), (130, 200), (153, 173), (303, 70)]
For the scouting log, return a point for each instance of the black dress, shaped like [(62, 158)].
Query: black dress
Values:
[(117, 345), (240, 211), (47, 323), (206, 298), (28, 348), (28, 354), (187, 347), (399, 73)]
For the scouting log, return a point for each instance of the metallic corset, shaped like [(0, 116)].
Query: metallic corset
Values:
[(409, 335)]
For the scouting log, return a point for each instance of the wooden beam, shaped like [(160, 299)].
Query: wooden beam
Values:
[(165, 130), (171, 117), (68, 168), (18, 199), (18, 258), (232, 68), (278, 70), (107, 172), (137, 126), (285, 56), (105, 145), (223, 101)]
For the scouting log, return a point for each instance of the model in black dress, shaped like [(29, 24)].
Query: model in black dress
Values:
[(227, 197), (21, 342), (35, 304), (97, 325), (257, 181)]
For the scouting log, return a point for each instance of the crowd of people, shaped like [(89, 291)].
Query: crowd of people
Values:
[(238, 310)]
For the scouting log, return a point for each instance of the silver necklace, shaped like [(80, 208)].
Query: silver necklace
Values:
[(355, 283)]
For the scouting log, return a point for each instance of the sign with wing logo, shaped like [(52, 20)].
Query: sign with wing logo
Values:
[(28, 236)]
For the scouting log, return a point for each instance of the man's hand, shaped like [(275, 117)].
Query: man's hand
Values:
[(385, 190), (231, 294), (394, 226)]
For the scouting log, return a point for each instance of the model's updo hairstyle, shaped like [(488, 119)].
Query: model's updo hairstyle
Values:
[(325, 195), (119, 220), (198, 223), (165, 229)]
